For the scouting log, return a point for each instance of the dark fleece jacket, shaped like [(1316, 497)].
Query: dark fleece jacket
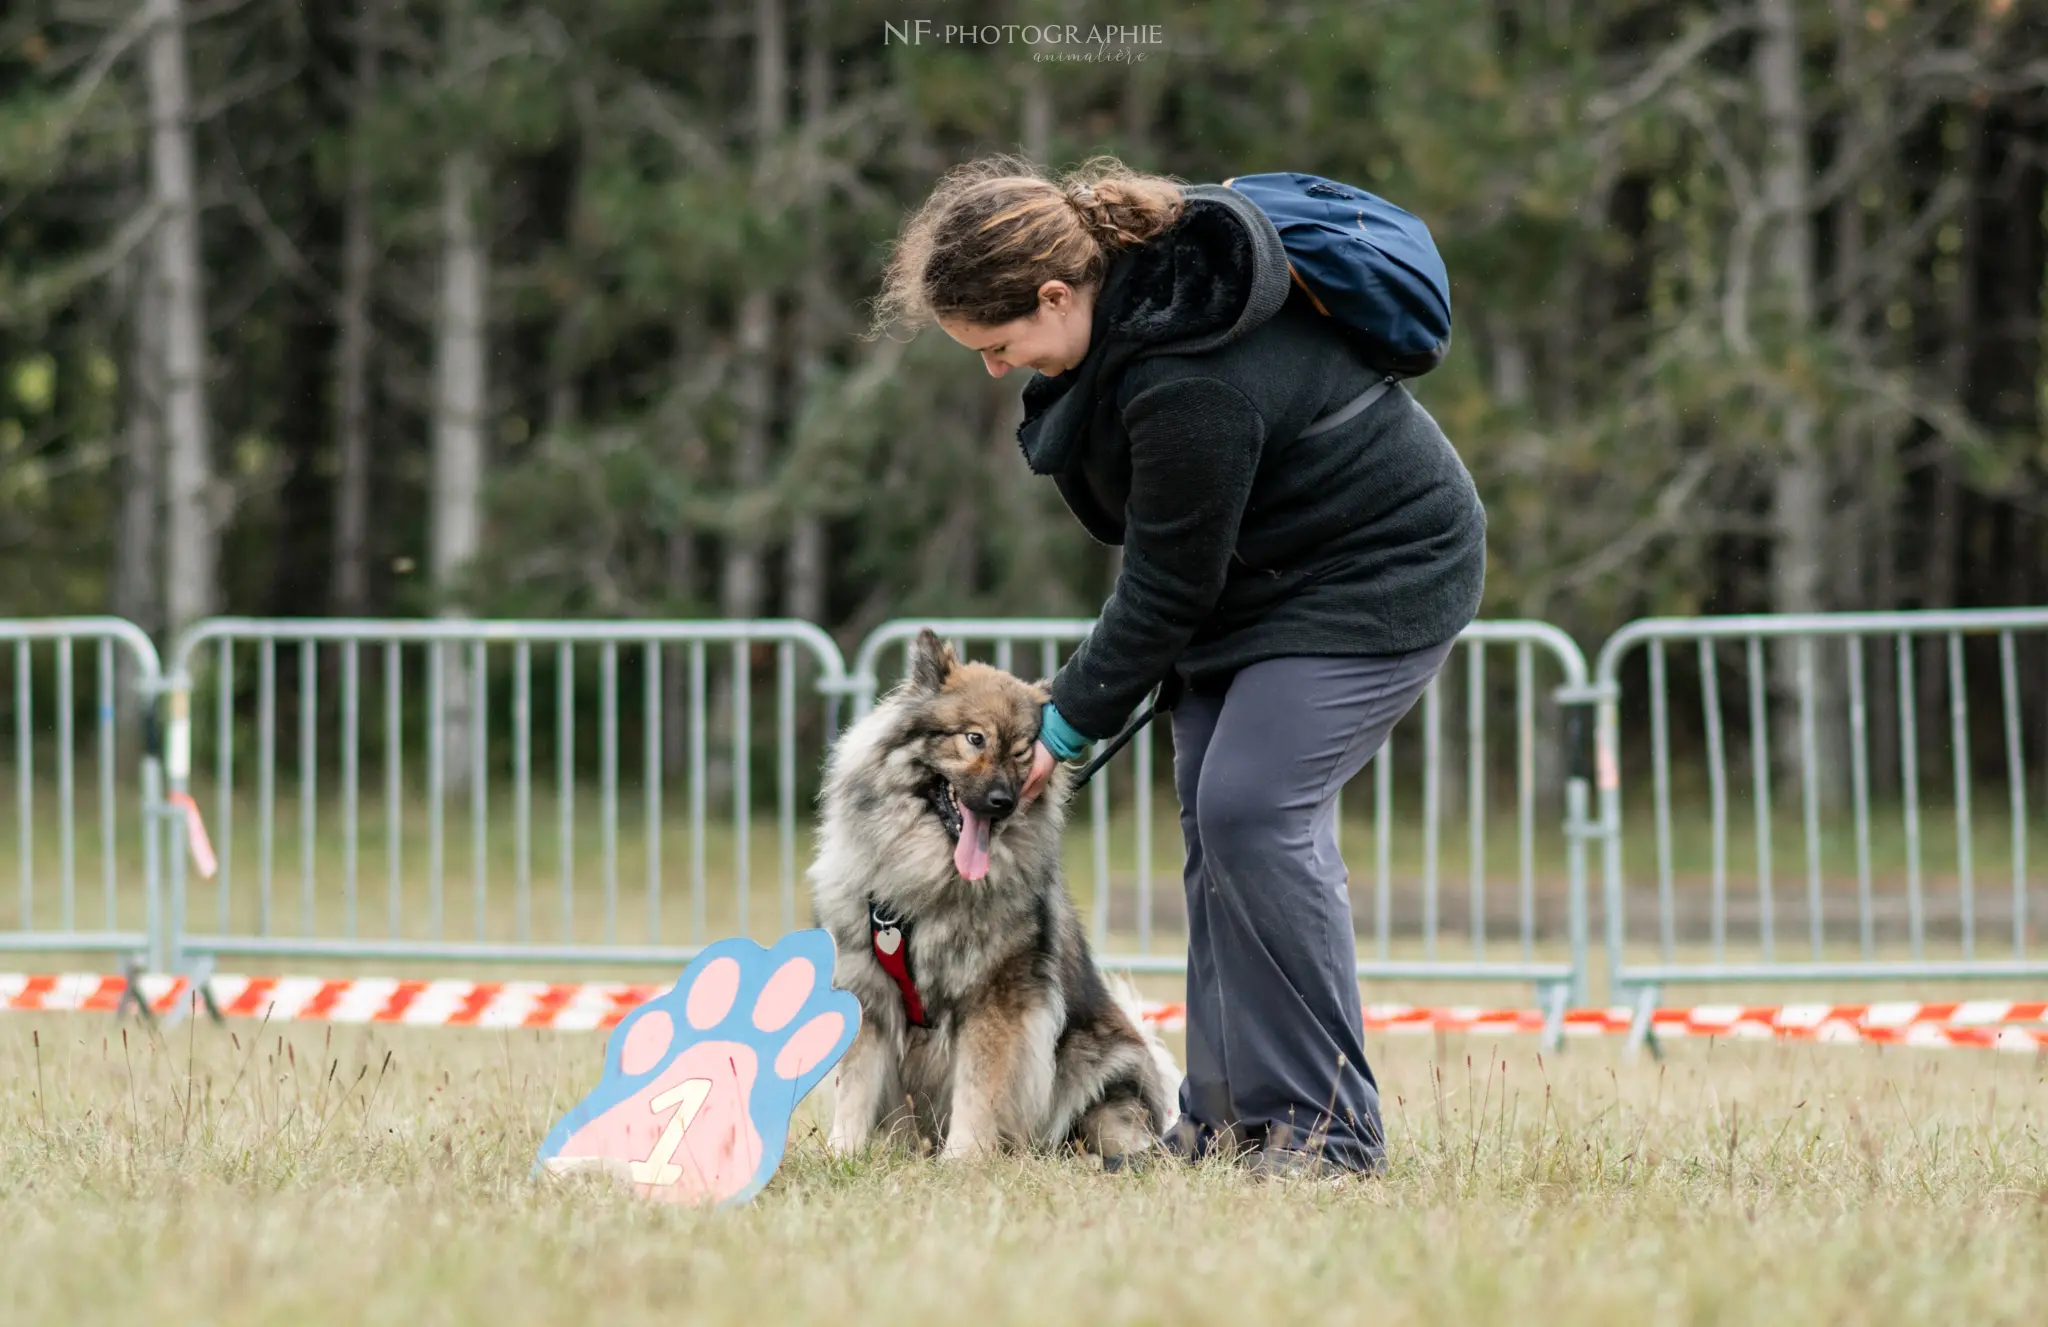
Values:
[(1176, 436)]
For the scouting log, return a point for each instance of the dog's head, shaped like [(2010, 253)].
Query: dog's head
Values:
[(969, 734)]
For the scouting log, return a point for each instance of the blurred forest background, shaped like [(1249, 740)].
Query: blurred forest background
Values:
[(510, 307)]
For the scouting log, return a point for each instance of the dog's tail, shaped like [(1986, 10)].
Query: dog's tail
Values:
[(1133, 1005)]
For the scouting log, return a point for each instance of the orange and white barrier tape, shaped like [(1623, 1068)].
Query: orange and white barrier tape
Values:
[(1998, 1024), (2011, 1025)]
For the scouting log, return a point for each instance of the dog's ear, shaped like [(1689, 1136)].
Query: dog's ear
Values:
[(1041, 690), (932, 661)]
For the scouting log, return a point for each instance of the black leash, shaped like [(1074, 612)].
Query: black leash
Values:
[(1112, 746)]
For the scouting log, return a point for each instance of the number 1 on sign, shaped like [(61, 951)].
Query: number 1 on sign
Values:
[(688, 1097)]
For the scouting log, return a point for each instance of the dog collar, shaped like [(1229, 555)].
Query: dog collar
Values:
[(890, 937)]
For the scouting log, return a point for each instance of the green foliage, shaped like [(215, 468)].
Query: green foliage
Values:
[(1618, 383)]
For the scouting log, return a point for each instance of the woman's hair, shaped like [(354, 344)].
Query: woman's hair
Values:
[(996, 229)]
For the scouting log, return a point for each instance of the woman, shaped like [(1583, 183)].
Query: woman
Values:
[(1293, 589)]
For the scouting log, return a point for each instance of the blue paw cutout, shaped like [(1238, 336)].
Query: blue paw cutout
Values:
[(700, 1082)]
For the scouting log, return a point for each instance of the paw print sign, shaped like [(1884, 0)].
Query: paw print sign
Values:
[(700, 1082)]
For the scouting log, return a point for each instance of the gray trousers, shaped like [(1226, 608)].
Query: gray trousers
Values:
[(1275, 1037)]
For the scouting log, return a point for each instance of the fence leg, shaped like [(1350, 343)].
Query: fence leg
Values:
[(1576, 704), (1642, 1032), (1555, 997), (132, 969), (199, 990)]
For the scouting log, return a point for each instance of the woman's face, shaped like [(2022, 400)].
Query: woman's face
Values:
[(1051, 340)]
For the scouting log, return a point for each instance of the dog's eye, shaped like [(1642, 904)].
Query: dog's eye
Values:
[(977, 741)]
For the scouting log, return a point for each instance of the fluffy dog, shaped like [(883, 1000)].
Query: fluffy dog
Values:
[(985, 1022)]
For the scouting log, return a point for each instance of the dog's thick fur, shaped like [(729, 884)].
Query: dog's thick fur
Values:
[(1028, 1045)]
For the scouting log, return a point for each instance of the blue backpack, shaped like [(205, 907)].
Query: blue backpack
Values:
[(1364, 263)]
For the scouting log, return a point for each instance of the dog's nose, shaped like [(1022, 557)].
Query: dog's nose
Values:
[(1001, 801)]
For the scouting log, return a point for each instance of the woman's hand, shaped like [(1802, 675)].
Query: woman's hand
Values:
[(1042, 762)]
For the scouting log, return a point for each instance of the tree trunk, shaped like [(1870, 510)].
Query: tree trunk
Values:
[(352, 382), (458, 379), (743, 587), (803, 579), (1865, 493), (137, 593), (1939, 581), (680, 558), (192, 534), (458, 432), (1799, 510)]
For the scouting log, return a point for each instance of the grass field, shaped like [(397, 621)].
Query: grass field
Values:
[(297, 1176)]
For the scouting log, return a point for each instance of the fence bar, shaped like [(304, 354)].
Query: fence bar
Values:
[(437, 783), (266, 776), (697, 762), (522, 787), (105, 708), (1525, 789), (1809, 791), (394, 806), (1432, 806), (309, 714), (67, 827), (742, 776), (1859, 774), (1660, 770), (351, 761), (785, 776), (1959, 759), (608, 757), (1760, 764), (565, 781), (1717, 792), (224, 764), (2016, 787), (1098, 849), (1383, 847), (1909, 777), (25, 777), (1098, 809), (478, 713), (1141, 775), (650, 740), (1475, 793)]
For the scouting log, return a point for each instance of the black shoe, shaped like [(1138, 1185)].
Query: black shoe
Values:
[(1194, 1142), (1287, 1163)]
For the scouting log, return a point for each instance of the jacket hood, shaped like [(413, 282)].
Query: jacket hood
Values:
[(1219, 273)]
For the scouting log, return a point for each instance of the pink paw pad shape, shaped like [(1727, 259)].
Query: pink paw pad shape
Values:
[(700, 1082)]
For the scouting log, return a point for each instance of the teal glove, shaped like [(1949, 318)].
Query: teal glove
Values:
[(1059, 736)]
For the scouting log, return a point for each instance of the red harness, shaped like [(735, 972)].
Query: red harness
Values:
[(890, 937)]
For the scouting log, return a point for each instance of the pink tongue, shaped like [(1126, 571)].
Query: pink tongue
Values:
[(970, 854)]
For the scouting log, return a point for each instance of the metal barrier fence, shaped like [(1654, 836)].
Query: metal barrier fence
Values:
[(1855, 921), (371, 787), (423, 714), (125, 916), (1128, 922)]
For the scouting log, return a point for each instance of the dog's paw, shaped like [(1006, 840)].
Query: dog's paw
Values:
[(700, 1081)]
